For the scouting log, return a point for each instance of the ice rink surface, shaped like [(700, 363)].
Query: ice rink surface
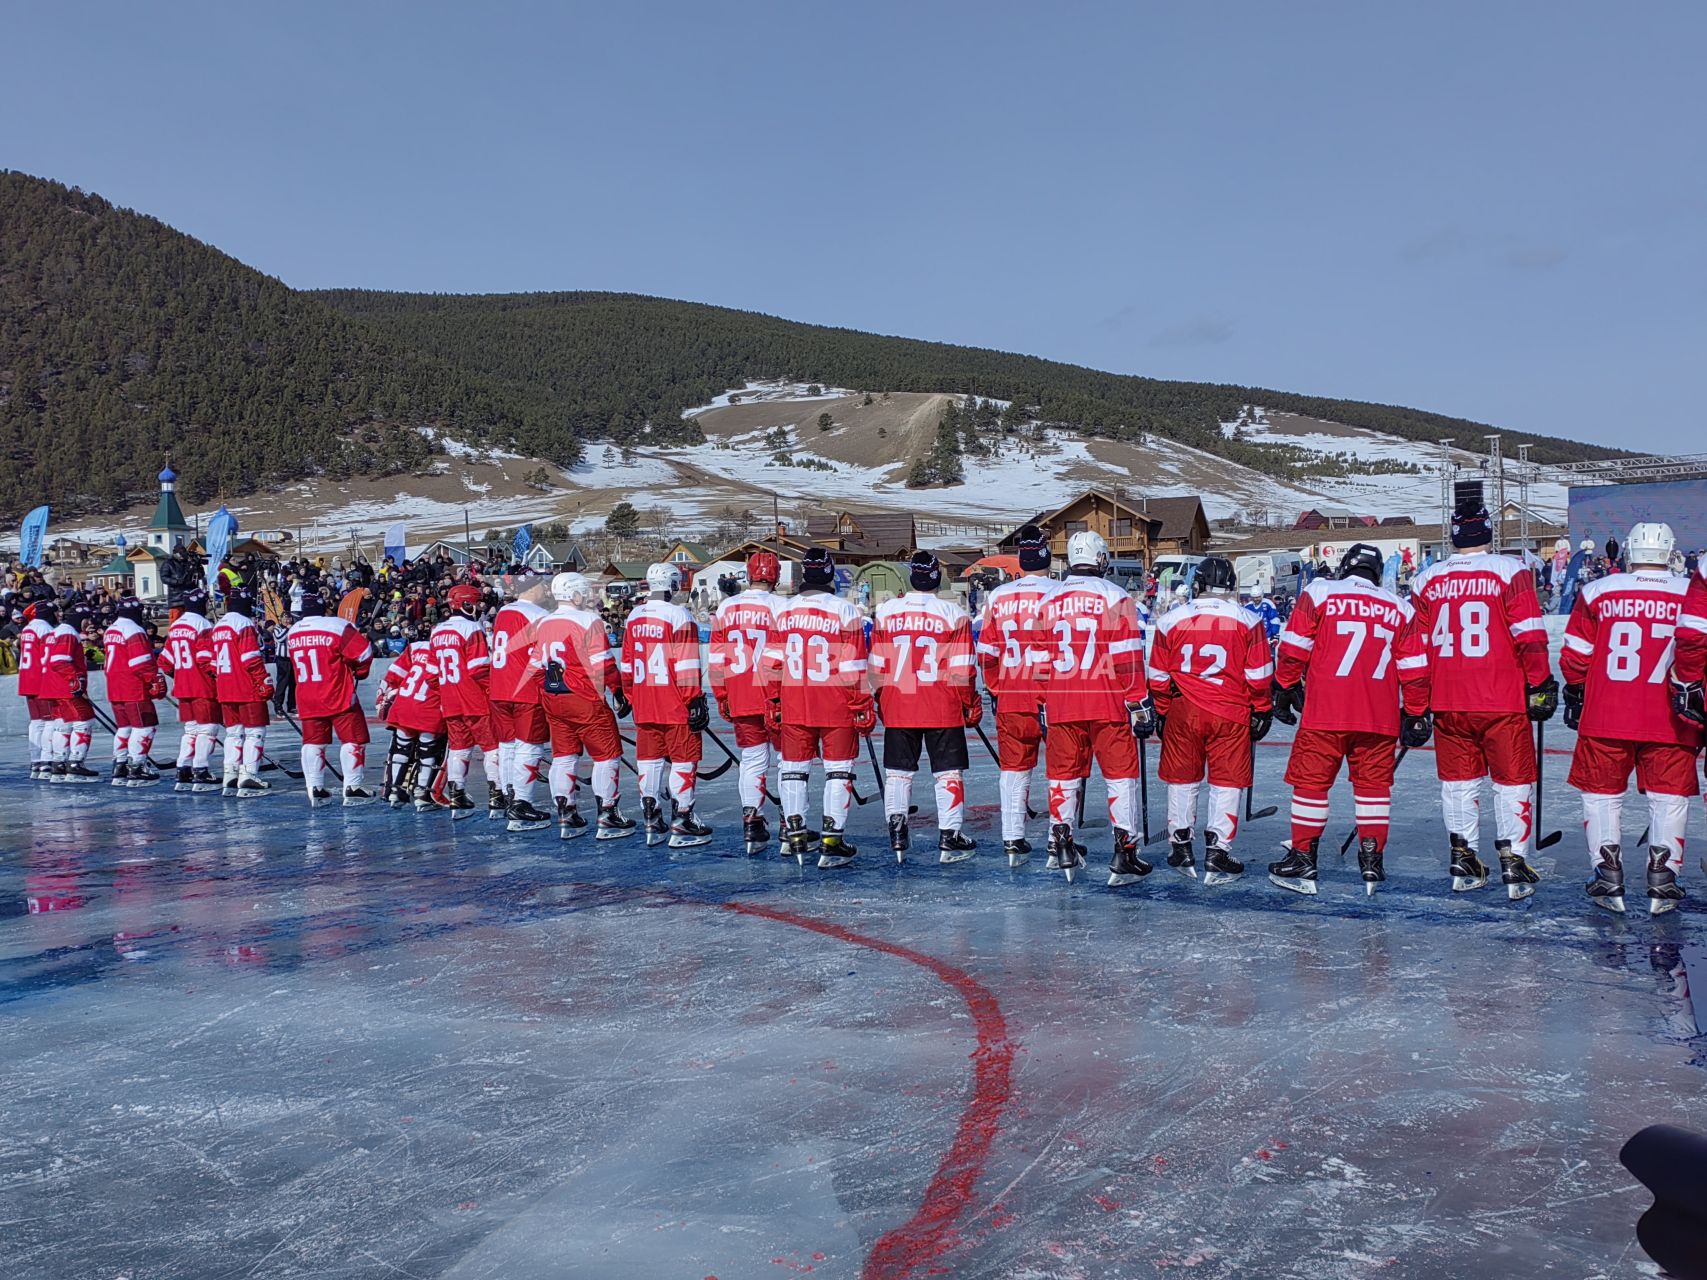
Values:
[(247, 1039)]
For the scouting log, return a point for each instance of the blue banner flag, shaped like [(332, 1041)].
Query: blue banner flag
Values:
[(396, 543), (220, 528), (523, 542), (32, 538)]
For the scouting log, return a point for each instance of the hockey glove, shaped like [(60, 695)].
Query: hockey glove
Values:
[(972, 712), (1543, 700), (1687, 702), (1288, 702), (79, 686), (865, 718), (1141, 717), (554, 682), (699, 715), (723, 709), (620, 701), (1414, 731), (773, 713), (155, 689), (1573, 703), (1261, 721), (382, 704)]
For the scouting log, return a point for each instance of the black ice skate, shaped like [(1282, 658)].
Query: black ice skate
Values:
[(249, 787), (652, 820), (1370, 863), (686, 831), (143, 774), (1018, 851), (426, 802), (185, 780), (524, 815), (570, 824), (1180, 855), (835, 851), (56, 772), (1607, 887), (953, 846), (1467, 870), (1297, 870), (754, 833), (497, 804), (357, 795), (202, 780), (318, 797), (121, 773), (1065, 854), (77, 771), (458, 801), (1520, 878), (900, 837), (1126, 867), (1664, 892), (1219, 866), (612, 825), (797, 841)]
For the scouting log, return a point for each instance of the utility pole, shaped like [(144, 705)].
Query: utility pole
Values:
[(1447, 471), (1496, 472), (1523, 495)]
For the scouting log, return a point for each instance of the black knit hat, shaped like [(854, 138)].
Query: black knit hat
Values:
[(818, 568), (925, 572), (1033, 549), (1472, 527)]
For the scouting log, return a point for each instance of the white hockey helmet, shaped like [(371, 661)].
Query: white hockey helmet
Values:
[(664, 577), (572, 588), (1087, 549), (1650, 542)]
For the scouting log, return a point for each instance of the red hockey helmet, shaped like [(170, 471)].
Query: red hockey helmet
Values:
[(465, 595), (762, 566)]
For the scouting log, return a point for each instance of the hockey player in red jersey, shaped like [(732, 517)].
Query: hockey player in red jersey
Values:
[(409, 703), (463, 656), (31, 641), (65, 684), (1618, 651), (1210, 677), (193, 689), (1355, 649), (1096, 704), (329, 656), (922, 667), (133, 683), (1689, 669), (1012, 659), (661, 679), (1489, 679), (233, 659), (816, 663), (740, 633), (517, 717), (574, 668)]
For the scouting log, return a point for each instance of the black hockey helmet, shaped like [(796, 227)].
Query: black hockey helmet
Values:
[(1215, 573), (1033, 548), (818, 569), (240, 600), (1363, 561), (924, 571)]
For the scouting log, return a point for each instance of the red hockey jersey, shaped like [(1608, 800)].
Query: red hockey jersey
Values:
[(816, 660), (740, 633), (1013, 652), (1618, 645), (130, 662), (1359, 651), (1481, 620), (185, 638), (512, 648), (415, 677), (922, 661), (1692, 628), (1216, 654), (660, 662), (464, 659), (32, 641), (1093, 651), (328, 656), (575, 639), (65, 667), (233, 659)]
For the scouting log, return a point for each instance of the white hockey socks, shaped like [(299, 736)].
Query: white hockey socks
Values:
[(313, 767), (950, 800), (897, 792), (838, 792), (795, 775), (1182, 806), (563, 777), (1603, 818), (1461, 808), (1064, 802), (1123, 803), (1667, 817), (607, 777), (352, 758), (457, 764), (1374, 816), (651, 778), (754, 762), (141, 743), (38, 734), (121, 744), (82, 734), (1514, 817), (1016, 797), (529, 756), (1223, 817), (684, 778), (254, 743)]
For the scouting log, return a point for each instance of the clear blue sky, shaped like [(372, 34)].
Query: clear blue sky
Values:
[(1489, 209)]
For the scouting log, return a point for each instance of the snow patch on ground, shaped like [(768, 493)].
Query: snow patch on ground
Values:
[(468, 452), (754, 392)]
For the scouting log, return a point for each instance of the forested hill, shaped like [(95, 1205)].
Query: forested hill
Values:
[(621, 360), (122, 340)]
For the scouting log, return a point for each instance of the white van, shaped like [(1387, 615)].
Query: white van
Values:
[(1269, 572), (1170, 569)]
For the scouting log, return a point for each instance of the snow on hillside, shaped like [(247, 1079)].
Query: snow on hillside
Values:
[(755, 392)]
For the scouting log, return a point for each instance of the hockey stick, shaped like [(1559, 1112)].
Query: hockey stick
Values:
[(728, 764), (1352, 835), (1250, 791), (108, 725), (1144, 788), (1551, 838), (291, 721), (1030, 813), (876, 772)]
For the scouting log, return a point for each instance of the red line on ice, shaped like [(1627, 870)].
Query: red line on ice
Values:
[(931, 1232)]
